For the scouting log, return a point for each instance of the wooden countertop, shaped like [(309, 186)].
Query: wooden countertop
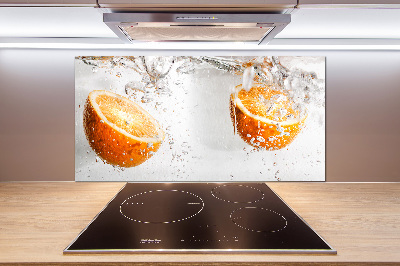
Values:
[(360, 220)]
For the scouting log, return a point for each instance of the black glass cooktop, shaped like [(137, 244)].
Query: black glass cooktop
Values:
[(198, 217)]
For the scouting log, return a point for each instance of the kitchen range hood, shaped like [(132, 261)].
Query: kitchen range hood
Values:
[(258, 28)]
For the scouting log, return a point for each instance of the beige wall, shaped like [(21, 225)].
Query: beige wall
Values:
[(37, 112)]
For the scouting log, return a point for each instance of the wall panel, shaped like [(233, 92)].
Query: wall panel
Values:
[(37, 112)]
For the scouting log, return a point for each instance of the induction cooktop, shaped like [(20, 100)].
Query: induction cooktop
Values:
[(198, 217)]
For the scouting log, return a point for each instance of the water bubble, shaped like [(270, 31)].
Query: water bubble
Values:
[(281, 112), (158, 66), (248, 77), (276, 174), (278, 98), (290, 116), (134, 89), (187, 67), (260, 139)]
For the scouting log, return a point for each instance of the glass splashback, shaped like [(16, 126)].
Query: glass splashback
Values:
[(199, 118)]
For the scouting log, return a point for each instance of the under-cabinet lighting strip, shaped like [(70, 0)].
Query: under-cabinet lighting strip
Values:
[(194, 46)]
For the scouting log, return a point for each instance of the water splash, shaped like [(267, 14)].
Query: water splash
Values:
[(302, 87)]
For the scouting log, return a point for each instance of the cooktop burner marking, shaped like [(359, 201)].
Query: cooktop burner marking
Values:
[(150, 214), (237, 194), (258, 219), (171, 199)]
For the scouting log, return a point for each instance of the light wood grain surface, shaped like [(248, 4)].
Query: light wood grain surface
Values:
[(360, 220)]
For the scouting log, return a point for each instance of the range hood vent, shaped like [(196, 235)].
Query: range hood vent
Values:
[(158, 27)]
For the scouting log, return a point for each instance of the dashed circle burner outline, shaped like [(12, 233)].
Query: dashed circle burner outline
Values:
[(260, 194), (263, 226), (131, 201)]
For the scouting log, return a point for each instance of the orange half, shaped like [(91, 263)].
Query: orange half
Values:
[(264, 117), (120, 131)]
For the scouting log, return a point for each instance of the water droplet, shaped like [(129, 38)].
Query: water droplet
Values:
[(260, 139)]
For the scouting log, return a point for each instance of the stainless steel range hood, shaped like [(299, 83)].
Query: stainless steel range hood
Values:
[(257, 28)]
